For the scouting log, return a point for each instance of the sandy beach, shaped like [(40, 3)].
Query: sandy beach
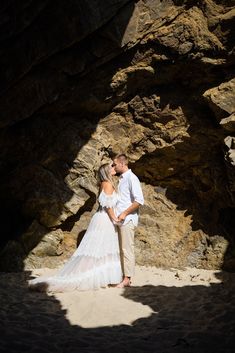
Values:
[(190, 310)]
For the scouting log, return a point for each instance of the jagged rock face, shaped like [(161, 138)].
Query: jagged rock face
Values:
[(81, 81)]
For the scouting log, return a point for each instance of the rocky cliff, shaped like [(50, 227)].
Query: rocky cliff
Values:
[(81, 81)]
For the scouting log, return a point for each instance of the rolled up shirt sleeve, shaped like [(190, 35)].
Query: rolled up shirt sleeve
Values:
[(136, 190)]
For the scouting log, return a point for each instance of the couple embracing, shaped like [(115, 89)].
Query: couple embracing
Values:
[(105, 255)]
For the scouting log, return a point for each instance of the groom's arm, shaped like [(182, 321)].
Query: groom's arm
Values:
[(133, 207)]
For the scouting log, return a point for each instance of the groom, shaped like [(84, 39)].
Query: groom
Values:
[(131, 197)]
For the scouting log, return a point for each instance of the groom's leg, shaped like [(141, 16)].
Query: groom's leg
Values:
[(127, 233)]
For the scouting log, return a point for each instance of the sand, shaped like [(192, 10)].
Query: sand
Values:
[(190, 310)]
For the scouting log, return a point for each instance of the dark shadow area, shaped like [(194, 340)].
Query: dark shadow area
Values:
[(34, 31), (191, 319)]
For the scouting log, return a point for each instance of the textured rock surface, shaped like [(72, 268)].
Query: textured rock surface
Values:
[(153, 79), (221, 98)]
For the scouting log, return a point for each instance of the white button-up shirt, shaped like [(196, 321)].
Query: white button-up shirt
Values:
[(129, 190)]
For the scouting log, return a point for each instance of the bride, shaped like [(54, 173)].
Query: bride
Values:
[(96, 262)]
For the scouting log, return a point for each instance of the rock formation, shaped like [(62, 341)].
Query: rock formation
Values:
[(81, 81)]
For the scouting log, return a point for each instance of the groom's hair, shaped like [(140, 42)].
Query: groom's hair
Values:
[(122, 158)]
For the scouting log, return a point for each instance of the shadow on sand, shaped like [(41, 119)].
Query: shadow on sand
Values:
[(185, 319)]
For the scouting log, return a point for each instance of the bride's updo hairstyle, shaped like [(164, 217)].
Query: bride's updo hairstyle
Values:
[(104, 173)]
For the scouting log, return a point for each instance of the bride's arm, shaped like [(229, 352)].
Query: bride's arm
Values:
[(111, 214), (108, 189)]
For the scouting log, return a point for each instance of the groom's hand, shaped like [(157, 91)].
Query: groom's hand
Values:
[(122, 217)]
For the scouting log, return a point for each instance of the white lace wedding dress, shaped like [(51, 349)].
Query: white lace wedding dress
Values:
[(96, 262)]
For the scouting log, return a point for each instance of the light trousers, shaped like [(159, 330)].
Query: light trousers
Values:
[(127, 250)]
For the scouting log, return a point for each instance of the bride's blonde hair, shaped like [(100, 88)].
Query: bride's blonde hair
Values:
[(104, 173)]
